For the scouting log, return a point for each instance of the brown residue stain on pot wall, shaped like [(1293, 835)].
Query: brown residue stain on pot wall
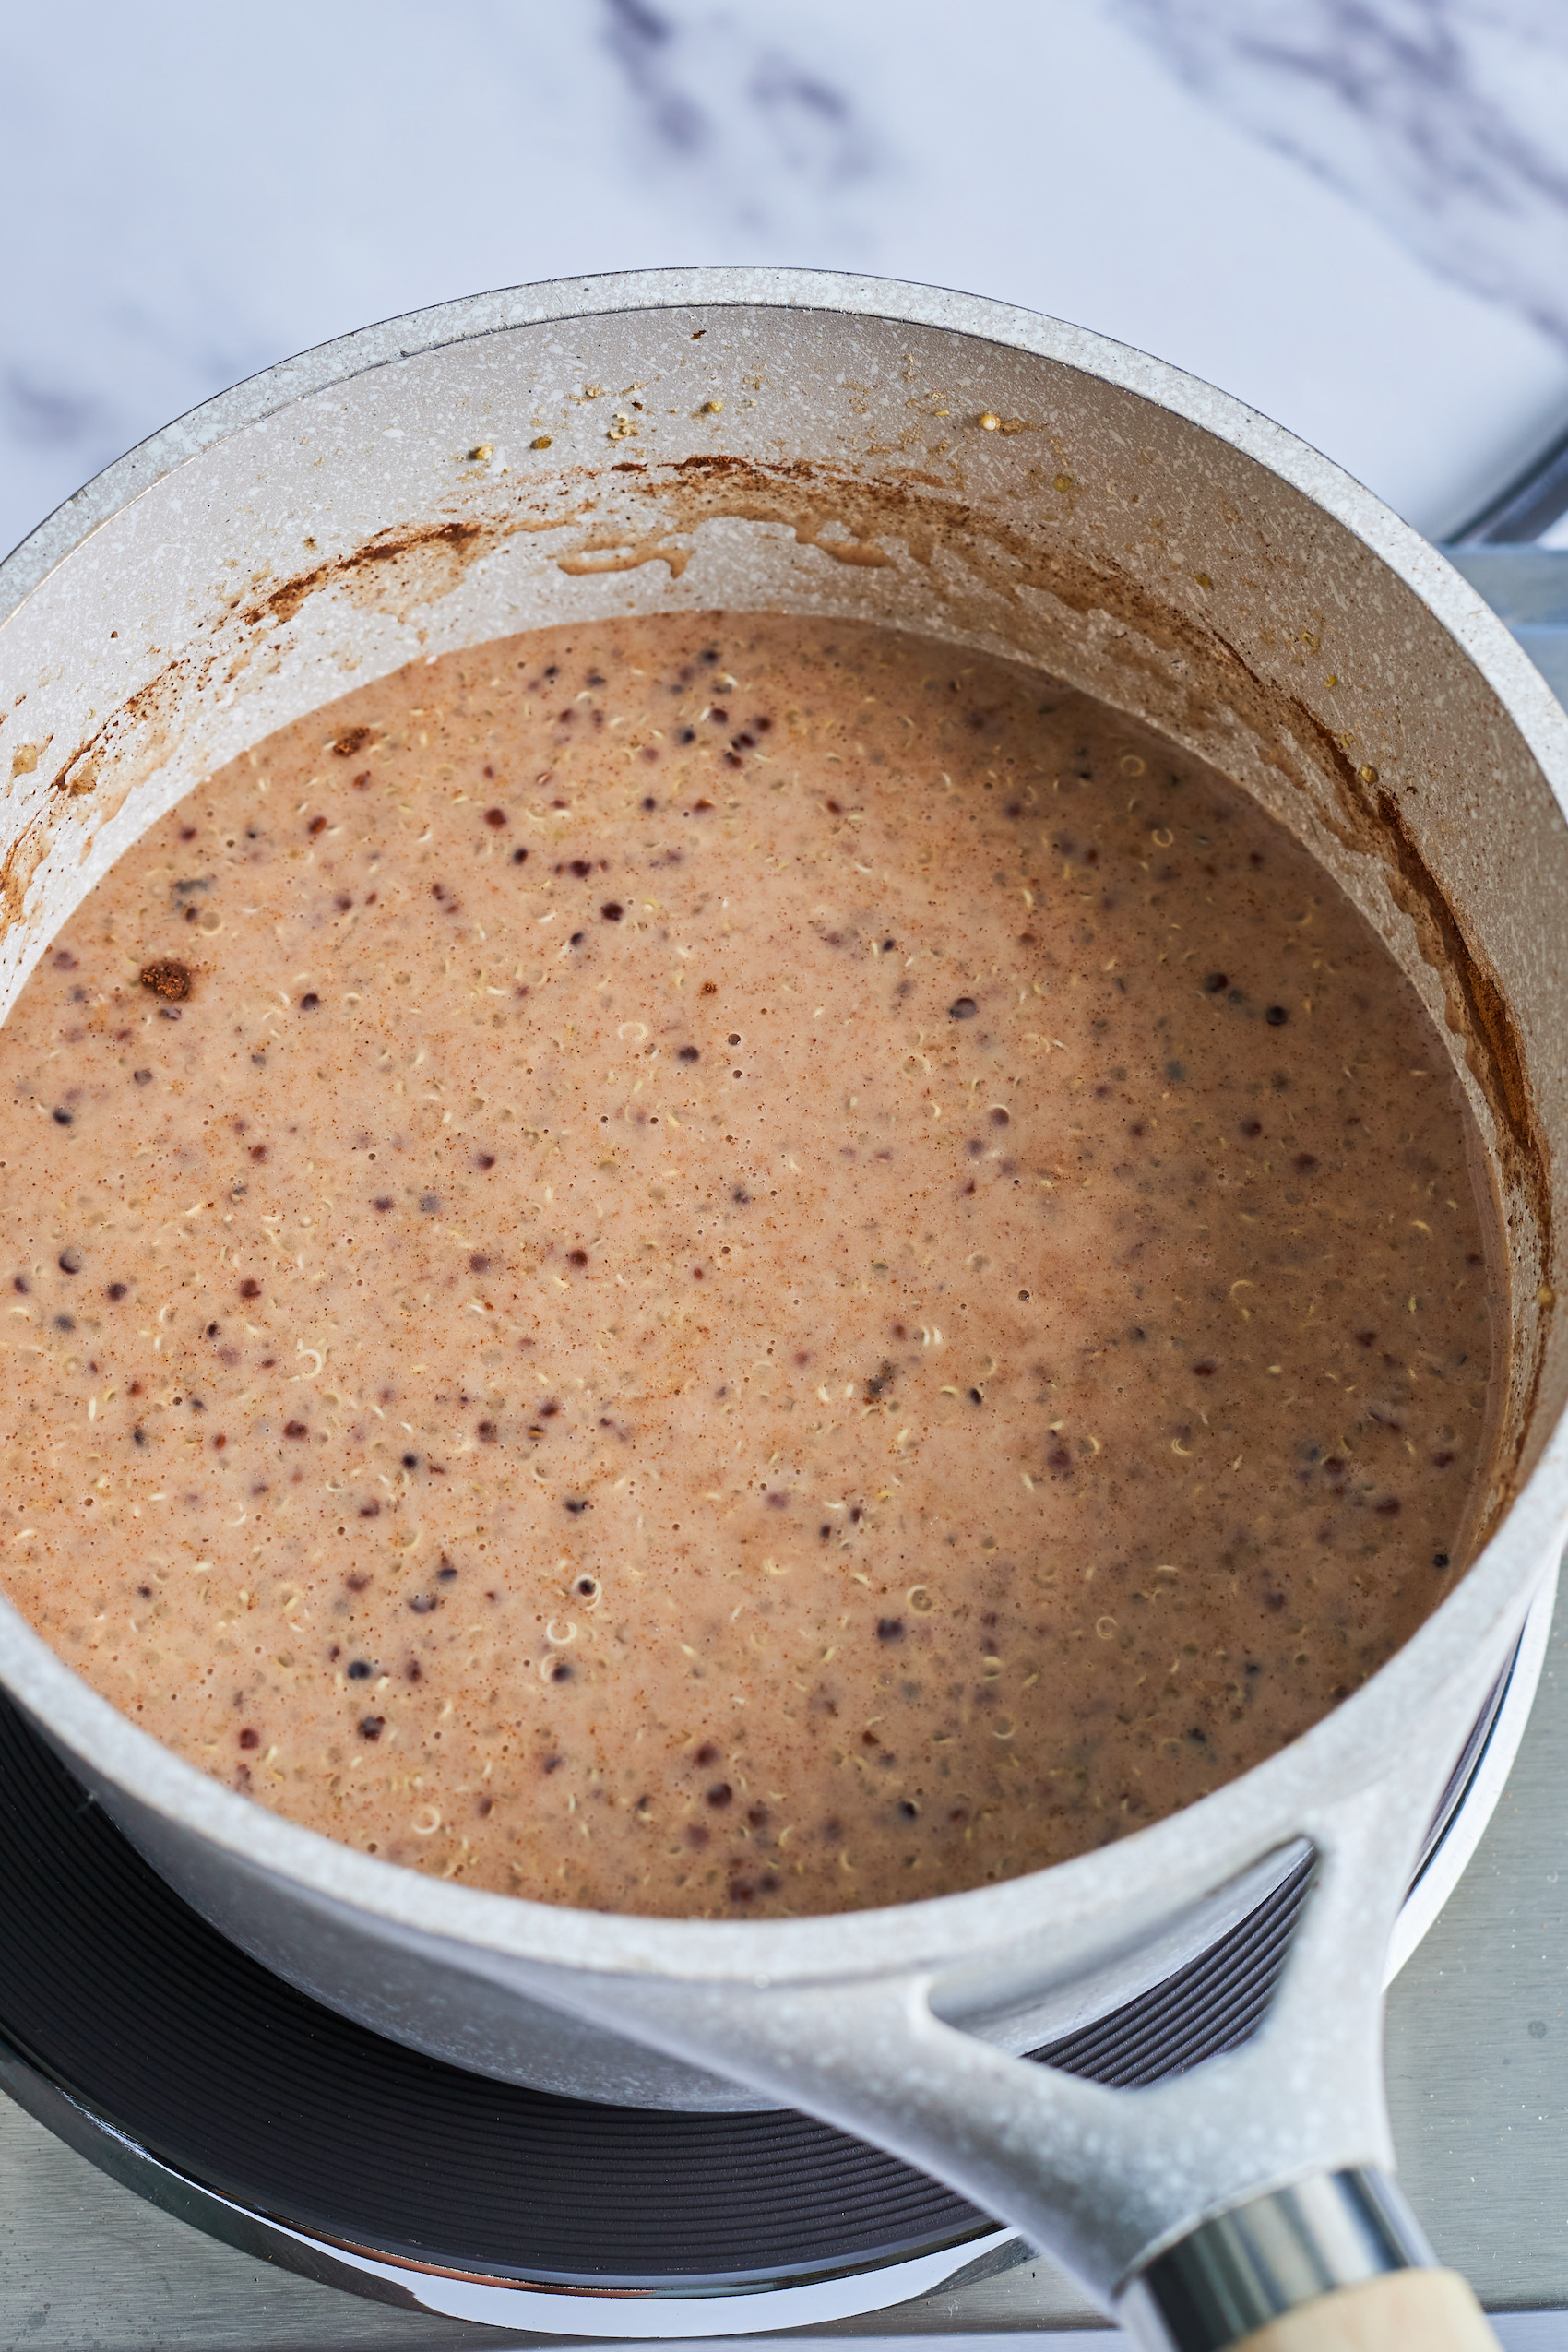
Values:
[(391, 573), (109, 764), (396, 570), (21, 863), (810, 526), (101, 771), (1373, 823), (807, 500), (612, 552)]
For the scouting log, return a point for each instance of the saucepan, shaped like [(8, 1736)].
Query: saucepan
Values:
[(785, 441)]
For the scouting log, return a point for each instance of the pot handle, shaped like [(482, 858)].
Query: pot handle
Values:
[(1407, 2311), (1154, 2198), (1333, 2263)]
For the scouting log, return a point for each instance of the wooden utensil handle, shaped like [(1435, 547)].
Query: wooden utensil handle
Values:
[(1405, 2310)]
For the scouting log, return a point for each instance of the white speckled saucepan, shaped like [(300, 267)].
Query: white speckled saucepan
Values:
[(788, 441)]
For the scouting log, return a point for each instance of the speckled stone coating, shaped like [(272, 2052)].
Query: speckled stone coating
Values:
[(1201, 570)]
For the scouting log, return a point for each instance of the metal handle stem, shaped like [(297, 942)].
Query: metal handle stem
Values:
[(1240, 2270)]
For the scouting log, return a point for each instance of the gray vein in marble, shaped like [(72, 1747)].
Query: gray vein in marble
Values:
[(194, 192), (1447, 119), (762, 126)]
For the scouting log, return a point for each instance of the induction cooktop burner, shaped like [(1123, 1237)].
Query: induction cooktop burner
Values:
[(142, 2037)]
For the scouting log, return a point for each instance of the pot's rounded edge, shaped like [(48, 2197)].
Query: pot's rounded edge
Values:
[(1179, 1857), (1530, 703), (471, 316)]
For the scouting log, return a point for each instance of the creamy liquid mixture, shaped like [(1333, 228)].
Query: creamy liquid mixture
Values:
[(729, 1266)]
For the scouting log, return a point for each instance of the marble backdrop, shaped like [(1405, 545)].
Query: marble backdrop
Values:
[(1350, 212), (1447, 119)]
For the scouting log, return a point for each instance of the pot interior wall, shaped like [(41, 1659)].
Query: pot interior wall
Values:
[(820, 462)]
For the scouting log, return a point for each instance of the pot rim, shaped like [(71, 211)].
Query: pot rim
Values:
[(1166, 1865)]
